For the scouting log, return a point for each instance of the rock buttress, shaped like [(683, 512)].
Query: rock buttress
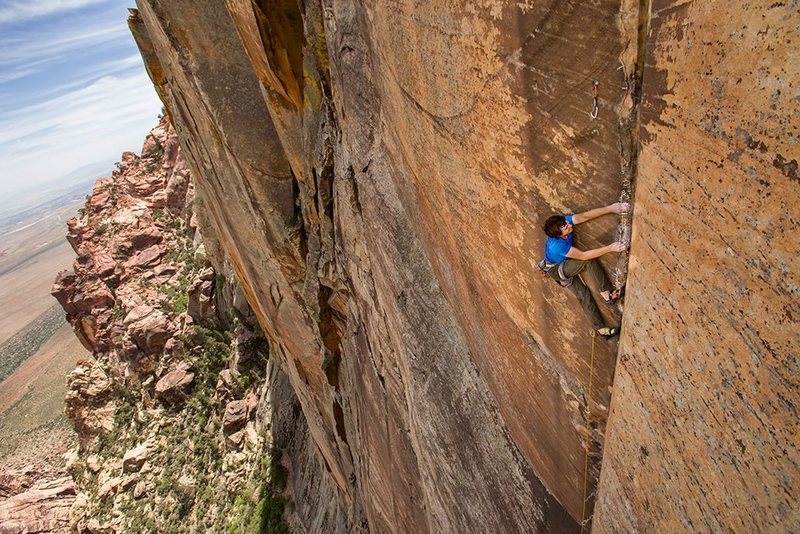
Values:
[(703, 432), (250, 192)]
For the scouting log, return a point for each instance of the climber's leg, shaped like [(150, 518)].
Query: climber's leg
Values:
[(595, 275), (587, 302), (592, 272)]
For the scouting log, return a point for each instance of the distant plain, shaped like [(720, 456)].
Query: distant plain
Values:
[(37, 346)]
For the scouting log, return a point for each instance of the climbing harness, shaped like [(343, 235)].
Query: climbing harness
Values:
[(550, 269), (595, 104), (588, 436)]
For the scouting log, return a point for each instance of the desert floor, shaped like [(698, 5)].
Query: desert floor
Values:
[(37, 347)]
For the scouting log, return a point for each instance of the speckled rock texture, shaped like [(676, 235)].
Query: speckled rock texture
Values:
[(703, 432), (378, 173)]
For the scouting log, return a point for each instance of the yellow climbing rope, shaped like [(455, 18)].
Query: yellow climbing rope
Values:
[(588, 441)]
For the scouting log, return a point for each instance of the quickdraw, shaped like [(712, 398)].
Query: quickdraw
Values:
[(595, 103)]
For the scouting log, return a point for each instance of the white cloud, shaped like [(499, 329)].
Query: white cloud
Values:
[(72, 88), (34, 47), (22, 10), (16, 74), (81, 77), (88, 124)]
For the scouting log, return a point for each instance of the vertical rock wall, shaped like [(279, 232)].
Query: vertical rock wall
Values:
[(703, 434), (378, 173)]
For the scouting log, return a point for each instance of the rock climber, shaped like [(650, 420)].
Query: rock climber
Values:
[(563, 262)]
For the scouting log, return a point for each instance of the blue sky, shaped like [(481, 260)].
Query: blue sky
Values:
[(73, 90)]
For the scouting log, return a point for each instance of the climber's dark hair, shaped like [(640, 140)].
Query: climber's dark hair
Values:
[(552, 226)]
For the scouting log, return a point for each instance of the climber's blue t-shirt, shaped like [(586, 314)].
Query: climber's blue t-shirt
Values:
[(556, 248)]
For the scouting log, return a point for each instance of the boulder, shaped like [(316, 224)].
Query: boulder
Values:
[(152, 148), (145, 237), (74, 233), (200, 253), (173, 387), (94, 463), (100, 195), (104, 264), (148, 327), (252, 404), (141, 489), (64, 289), (93, 297), (129, 481), (128, 159), (145, 186), (134, 459), (135, 214), (175, 347), (234, 441), (201, 301), (206, 273), (146, 258), (164, 272), (235, 416), (126, 347), (88, 403), (225, 383), (109, 487), (251, 434)]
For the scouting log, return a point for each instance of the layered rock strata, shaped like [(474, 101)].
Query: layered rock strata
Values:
[(36, 498), (343, 149)]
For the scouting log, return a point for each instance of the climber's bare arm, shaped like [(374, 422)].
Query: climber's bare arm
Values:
[(577, 254), (618, 207)]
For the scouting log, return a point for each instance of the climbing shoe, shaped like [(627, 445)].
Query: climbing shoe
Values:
[(615, 296), (609, 332)]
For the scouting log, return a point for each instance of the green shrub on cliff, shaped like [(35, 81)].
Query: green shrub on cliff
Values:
[(176, 297), (259, 507), (101, 229), (123, 431)]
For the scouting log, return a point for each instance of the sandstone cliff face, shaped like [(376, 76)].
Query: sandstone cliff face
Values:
[(425, 369), (377, 173), (703, 434)]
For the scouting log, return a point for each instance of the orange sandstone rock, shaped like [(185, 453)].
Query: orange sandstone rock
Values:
[(378, 172)]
